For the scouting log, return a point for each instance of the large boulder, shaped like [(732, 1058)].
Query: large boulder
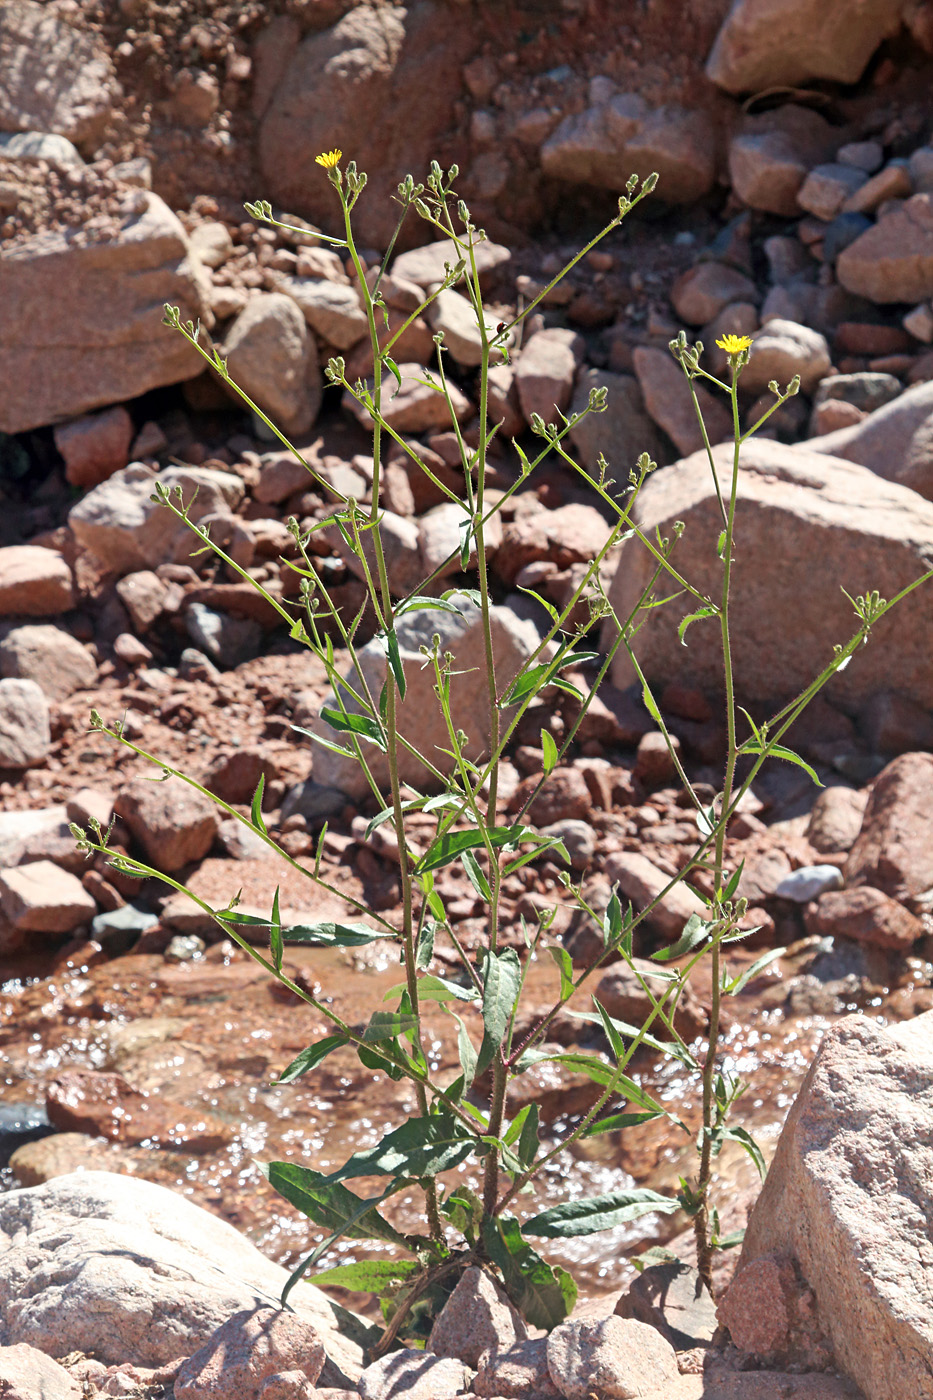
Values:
[(848, 1195), (53, 77), (121, 1268), (893, 441), (360, 86), (82, 316), (807, 527), (790, 42), (272, 356), (421, 721), (893, 260)]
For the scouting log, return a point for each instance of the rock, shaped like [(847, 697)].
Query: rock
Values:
[(517, 1371), (334, 88), (173, 823), (564, 797), (41, 898), (770, 1313), (782, 349), (892, 852), (809, 882), (606, 144), (253, 1345), (577, 836), (25, 734), (477, 1317), (839, 516), (770, 156), (847, 1196), (415, 407), (401, 547), (414, 1375), (893, 260), (892, 441), (57, 357), (211, 243), (452, 315), (129, 531), (503, 404), (80, 1246), (828, 417), (272, 358), (235, 773), (836, 819), (51, 657), (868, 916), (622, 432), (654, 762), (95, 446), (331, 309), (826, 189), (919, 322), (844, 229), (893, 182), (568, 535), (39, 834), (862, 155), (668, 400), (426, 266), (255, 878), (294, 1385), (545, 371), (439, 539), (757, 1385), (420, 717), (227, 640), (920, 165), (63, 1153), (184, 947), (34, 582), (702, 291), (893, 725), (767, 42), (53, 76), (28, 1374), (865, 390), (673, 1299), (39, 145), (117, 929), (617, 1358), (642, 882), (622, 993), (106, 1105), (143, 595)]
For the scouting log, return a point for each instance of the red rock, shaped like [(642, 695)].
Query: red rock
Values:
[(893, 851), (867, 915), (173, 823), (545, 371), (476, 1318), (245, 1352), (564, 796), (770, 1313), (106, 1105), (34, 582), (42, 898), (654, 764), (836, 819), (869, 338), (95, 445)]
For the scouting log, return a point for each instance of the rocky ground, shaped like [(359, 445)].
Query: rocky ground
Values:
[(795, 206)]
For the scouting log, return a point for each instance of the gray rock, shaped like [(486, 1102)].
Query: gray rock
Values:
[(25, 733), (39, 145), (477, 1317), (51, 657), (413, 1375), (77, 1247), (248, 1349), (862, 155), (518, 1371), (313, 801), (617, 1358), (674, 1300), (184, 947), (117, 929), (227, 640), (271, 356), (867, 389), (844, 229), (809, 882)]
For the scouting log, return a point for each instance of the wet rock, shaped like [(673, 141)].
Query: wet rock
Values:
[(516, 1372), (84, 1243), (28, 1374), (764, 42), (245, 1351), (53, 77), (618, 1358), (51, 657), (20, 1124), (41, 898), (893, 260), (415, 407), (545, 372), (673, 1299), (642, 882), (414, 1375), (25, 734), (331, 309), (836, 819), (847, 1198), (669, 402), (60, 1154), (106, 1105), (95, 445), (272, 357), (702, 291), (809, 882), (184, 947), (420, 719), (838, 515), (622, 432), (782, 349), (174, 824), (118, 929), (55, 356), (477, 1317), (123, 526), (867, 915), (892, 852), (34, 582)]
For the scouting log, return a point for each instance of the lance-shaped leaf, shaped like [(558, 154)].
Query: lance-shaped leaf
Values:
[(502, 978), (543, 1295), (595, 1213), (432, 988), (369, 1275), (364, 726), (447, 847), (385, 1025), (419, 1148), (309, 1059), (328, 1204), (779, 751), (331, 935)]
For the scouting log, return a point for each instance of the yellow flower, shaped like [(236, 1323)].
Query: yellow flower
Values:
[(734, 344), (329, 159)]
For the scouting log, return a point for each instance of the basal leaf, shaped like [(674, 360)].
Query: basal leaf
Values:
[(543, 1295)]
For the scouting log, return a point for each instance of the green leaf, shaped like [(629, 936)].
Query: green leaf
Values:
[(422, 1147), (362, 725), (451, 844), (695, 930), (528, 1141), (393, 369), (502, 979), (697, 616), (395, 661), (466, 531), (276, 948), (309, 1059), (386, 812), (425, 950), (330, 935), (544, 1296), (565, 966), (744, 1138), (612, 1035), (369, 1275), (779, 751), (734, 879), (256, 805), (466, 1052), (617, 1121), (550, 751), (421, 602), (476, 877), (385, 1025), (721, 544), (743, 979), (650, 705), (431, 988), (552, 843), (330, 1205), (375, 1059), (595, 1213)]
